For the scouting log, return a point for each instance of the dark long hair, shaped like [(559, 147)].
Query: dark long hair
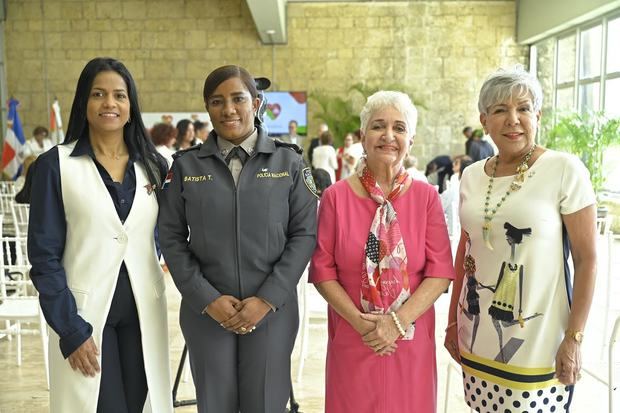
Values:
[(182, 127), (134, 132)]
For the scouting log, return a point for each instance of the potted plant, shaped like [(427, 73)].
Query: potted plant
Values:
[(586, 135)]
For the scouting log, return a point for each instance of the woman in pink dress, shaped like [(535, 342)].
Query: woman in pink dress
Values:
[(382, 259)]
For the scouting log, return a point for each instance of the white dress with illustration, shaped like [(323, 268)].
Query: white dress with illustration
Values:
[(514, 305)]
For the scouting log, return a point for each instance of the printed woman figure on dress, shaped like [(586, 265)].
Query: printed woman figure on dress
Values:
[(509, 281), (470, 307)]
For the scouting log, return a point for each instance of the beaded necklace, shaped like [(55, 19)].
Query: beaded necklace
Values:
[(514, 186)]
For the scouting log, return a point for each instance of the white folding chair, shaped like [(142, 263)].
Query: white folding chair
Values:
[(19, 302), (7, 188), (20, 213), (311, 306), (603, 225), (6, 209)]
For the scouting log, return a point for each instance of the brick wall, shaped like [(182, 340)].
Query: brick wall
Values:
[(441, 51)]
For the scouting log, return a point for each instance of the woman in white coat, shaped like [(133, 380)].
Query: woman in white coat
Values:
[(93, 253)]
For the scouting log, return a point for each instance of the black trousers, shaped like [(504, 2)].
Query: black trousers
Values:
[(123, 380)]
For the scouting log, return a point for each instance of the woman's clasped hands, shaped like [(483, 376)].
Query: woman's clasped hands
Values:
[(379, 333), (238, 316)]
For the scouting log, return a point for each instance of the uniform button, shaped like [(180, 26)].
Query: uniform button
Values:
[(122, 238), (122, 201)]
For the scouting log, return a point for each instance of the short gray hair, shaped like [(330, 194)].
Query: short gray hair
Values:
[(505, 85), (387, 98)]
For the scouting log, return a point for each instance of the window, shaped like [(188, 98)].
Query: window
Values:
[(564, 99), (590, 53), (612, 97), (576, 72), (589, 97), (566, 59), (581, 67), (613, 41)]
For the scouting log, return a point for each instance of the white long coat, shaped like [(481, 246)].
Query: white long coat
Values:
[(97, 243)]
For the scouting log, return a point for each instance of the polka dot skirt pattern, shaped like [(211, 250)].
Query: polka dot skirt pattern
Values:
[(487, 397)]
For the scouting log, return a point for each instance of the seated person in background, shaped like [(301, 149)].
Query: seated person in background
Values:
[(410, 163), (39, 143), (437, 170), (479, 148)]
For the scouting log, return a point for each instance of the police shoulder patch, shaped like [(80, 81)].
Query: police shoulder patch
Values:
[(309, 181)]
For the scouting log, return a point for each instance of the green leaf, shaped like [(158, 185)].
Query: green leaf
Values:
[(586, 135)]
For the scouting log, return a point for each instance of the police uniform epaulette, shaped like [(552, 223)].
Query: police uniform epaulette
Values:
[(181, 152), (291, 146)]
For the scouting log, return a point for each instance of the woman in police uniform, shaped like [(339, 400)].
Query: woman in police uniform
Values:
[(237, 228)]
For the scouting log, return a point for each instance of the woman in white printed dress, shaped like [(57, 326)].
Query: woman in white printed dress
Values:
[(517, 314)]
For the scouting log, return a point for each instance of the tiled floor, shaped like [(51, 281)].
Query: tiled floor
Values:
[(22, 389)]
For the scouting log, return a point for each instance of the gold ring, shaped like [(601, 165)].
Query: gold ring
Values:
[(243, 329)]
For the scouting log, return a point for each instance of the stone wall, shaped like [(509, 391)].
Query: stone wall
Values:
[(440, 50)]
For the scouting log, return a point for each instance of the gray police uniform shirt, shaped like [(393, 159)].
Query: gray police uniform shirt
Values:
[(249, 238)]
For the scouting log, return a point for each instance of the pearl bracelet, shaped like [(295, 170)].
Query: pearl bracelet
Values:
[(399, 326)]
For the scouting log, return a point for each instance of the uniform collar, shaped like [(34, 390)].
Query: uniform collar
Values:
[(247, 145), (261, 144)]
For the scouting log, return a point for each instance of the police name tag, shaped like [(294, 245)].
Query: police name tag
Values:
[(199, 178)]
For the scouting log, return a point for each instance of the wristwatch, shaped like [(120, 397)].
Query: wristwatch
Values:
[(575, 335)]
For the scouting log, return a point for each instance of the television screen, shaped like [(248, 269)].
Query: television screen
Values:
[(283, 107)]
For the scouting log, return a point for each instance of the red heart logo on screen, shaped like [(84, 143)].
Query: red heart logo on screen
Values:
[(273, 110)]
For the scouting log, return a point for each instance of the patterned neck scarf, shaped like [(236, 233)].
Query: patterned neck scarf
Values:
[(385, 281)]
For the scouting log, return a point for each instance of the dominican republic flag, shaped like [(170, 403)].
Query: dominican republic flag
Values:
[(56, 132), (14, 140)]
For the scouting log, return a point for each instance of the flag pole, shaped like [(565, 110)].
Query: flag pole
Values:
[(56, 123)]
